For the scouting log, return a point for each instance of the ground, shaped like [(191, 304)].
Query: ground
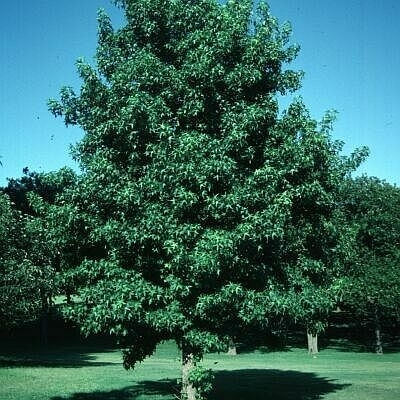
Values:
[(88, 371)]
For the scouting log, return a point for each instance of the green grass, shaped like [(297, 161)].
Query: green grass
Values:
[(89, 372)]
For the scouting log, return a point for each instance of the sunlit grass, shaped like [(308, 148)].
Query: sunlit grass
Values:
[(87, 372)]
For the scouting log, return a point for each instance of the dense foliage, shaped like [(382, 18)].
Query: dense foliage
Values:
[(20, 278), (204, 212), (373, 212), (29, 260)]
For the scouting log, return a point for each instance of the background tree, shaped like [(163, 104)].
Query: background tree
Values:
[(30, 258), (373, 208), (19, 301), (46, 185), (208, 209)]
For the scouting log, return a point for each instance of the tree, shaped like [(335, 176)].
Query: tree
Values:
[(47, 185), (29, 257), (19, 301), (373, 208), (211, 213)]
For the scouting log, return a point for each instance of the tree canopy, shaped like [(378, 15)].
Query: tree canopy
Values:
[(29, 258), (20, 278), (208, 211), (373, 212)]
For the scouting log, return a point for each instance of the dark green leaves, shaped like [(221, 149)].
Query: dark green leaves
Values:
[(202, 210)]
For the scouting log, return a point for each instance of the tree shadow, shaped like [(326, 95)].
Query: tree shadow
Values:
[(166, 388), (260, 384), (348, 333), (246, 384), (264, 349), (354, 346), (55, 357), (65, 348), (27, 362), (346, 345)]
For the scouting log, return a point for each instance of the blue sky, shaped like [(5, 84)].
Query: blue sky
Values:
[(349, 53)]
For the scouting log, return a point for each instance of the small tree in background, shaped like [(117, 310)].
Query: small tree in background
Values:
[(209, 211)]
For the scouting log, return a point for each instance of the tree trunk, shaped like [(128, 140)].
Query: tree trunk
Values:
[(188, 364), (44, 319), (232, 351), (378, 333), (312, 341)]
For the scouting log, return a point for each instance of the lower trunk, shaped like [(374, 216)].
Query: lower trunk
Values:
[(188, 364), (378, 333), (44, 320), (312, 341), (232, 351)]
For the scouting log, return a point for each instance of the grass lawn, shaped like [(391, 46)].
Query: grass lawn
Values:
[(89, 372)]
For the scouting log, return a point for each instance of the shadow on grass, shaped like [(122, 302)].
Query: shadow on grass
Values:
[(146, 389), (257, 384), (245, 349), (24, 363), (65, 347), (54, 357), (246, 384), (355, 346)]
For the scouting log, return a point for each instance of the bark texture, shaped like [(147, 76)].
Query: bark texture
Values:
[(378, 332), (44, 319), (312, 341), (232, 351), (189, 392)]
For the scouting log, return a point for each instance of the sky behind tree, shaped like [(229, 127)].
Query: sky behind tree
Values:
[(348, 52)]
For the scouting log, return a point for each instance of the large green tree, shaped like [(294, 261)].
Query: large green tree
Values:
[(210, 211), (373, 213)]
